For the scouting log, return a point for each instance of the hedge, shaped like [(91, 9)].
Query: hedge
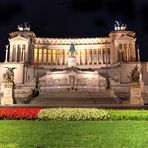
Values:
[(128, 114), (73, 114)]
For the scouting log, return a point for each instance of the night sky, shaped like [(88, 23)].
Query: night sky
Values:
[(74, 18)]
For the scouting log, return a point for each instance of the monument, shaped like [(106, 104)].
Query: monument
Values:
[(73, 66)]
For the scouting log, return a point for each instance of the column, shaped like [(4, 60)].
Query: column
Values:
[(11, 51), (46, 56), (51, 59), (65, 56), (92, 57), (101, 60), (21, 53), (6, 56), (37, 56), (42, 60), (127, 56), (97, 57), (78, 61), (138, 50), (16, 53), (55, 56), (26, 53), (87, 56)]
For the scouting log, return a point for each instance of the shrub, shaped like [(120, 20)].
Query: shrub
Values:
[(128, 114), (72, 114), (19, 113)]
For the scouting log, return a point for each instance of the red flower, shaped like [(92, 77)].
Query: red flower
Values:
[(19, 113)]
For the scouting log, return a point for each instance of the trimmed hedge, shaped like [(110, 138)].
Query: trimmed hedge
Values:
[(128, 114), (73, 114)]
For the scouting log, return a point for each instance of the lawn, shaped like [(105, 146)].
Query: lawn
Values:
[(46, 134)]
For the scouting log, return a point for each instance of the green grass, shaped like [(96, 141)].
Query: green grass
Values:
[(67, 134)]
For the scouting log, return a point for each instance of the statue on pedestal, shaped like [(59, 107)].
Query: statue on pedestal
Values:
[(135, 75), (72, 50), (8, 76), (8, 90)]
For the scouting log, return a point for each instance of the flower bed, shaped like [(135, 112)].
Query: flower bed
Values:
[(73, 114), (19, 113)]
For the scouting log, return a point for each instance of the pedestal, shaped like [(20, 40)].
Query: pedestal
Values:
[(135, 95), (8, 94), (71, 62)]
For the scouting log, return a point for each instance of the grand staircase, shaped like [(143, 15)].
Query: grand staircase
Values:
[(72, 99)]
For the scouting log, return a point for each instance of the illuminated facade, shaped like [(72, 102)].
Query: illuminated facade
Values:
[(93, 59)]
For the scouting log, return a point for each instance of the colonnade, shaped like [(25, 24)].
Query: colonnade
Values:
[(18, 53), (83, 56), (125, 52)]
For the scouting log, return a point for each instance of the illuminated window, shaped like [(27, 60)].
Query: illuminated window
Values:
[(35, 55)]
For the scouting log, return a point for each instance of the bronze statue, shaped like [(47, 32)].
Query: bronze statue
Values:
[(72, 49), (135, 75)]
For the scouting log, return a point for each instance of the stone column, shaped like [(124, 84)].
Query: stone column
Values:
[(101, 60), (46, 56), (6, 56), (138, 50), (16, 53), (42, 62), (8, 97), (97, 57), (37, 56), (11, 52), (51, 57), (129, 56), (21, 53), (92, 57)]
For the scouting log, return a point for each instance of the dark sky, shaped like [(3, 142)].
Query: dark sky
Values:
[(74, 18)]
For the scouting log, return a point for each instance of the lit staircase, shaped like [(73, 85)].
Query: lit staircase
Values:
[(72, 98)]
